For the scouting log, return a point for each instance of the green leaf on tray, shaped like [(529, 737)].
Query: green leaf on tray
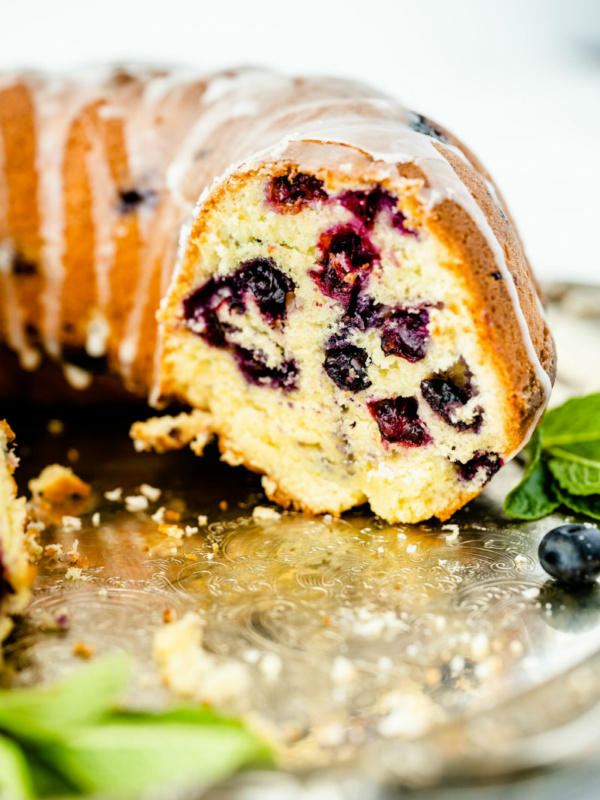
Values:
[(71, 739), (588, 505), (575, 475), (533, 497), (39, 714), (564, 466), (15, 778), (577, 420), (115, 760)]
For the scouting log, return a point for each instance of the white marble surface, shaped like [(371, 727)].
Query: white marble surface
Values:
[(519, 80)]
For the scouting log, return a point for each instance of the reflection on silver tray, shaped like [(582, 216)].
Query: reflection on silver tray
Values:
[(415, 654)]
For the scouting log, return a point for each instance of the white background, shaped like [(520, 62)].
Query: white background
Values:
[(517, 80)]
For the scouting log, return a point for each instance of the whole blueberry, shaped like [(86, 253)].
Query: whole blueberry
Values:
[(571, 554)]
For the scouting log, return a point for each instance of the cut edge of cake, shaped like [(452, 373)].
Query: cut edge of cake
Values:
[(15, 572)]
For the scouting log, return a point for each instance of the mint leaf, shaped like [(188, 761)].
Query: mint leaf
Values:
[(38, 714), (116, 761), (15, 780), (533, 497), (575, 475), (590, 451), (590, 505), (577, 420)]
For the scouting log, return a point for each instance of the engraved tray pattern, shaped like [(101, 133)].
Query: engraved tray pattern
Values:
[(402, 654)]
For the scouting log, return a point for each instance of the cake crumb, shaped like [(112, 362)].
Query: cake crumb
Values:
[(159, 516), (103, 591), (75, 574), (343, 671), (57, 485), (53, 550), (82, 650), (452, 537), (136, 502), (172, 516), (73, 554), (531, 593), (265, 514), (191, 557), (174, 531), (202, 520), (96, 519), (192, 671), (114, 495), (55, 427), (270, 666), (169, 615), (190, 530), (150, 492), (411, 548), (71, 523)]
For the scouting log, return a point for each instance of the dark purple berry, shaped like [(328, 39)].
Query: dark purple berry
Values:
[(399, 421), (23, 266), (347, 367), (571, 554), (290, 193), (363, 312), (445, 398), (201, 308), (267, 283), (405, 334), (490, 463), (253, 367), (366, 205), (130, 199), (421, 124), (347, 258)]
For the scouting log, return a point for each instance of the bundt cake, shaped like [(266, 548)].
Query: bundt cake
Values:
[(15, 573), (343, 299)]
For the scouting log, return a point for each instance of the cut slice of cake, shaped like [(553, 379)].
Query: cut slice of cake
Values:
[(353, 343), (15, 572)]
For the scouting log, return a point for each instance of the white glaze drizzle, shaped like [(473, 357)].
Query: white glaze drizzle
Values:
[(57, 104), (103, 199)]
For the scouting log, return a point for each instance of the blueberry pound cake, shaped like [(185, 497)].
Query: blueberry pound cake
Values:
[(331, 284), (15, 573)]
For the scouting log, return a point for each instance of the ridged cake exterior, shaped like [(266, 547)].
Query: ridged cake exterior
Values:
[(347, 307)]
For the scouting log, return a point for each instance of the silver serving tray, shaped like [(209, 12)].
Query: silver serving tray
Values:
[(412, 656)]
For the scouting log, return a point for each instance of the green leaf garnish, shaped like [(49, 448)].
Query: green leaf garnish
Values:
[(575, 475), (590, 505), (15, 778), (71, 739), (576, 420), (565, 463), (533, 497)]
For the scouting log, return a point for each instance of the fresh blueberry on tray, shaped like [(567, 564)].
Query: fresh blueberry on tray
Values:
[(571, 554)]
